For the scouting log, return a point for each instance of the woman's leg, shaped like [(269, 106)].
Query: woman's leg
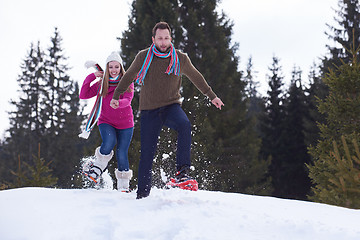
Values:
[(108, 135), (104, 153), (124, 137)]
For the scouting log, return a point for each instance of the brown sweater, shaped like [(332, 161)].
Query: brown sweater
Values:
[(161, 89)]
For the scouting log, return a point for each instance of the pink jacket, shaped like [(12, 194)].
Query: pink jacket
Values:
[(120, 118)]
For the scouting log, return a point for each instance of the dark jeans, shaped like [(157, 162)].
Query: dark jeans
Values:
[(112, 136), (152, 121)]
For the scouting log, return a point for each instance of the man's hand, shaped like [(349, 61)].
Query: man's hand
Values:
[(114, 103), (217, 102)]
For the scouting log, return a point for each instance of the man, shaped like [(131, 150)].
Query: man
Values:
[(158, 69)]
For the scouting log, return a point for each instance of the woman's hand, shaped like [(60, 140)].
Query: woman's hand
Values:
[(99, 74)]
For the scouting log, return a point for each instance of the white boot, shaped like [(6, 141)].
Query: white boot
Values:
[(101, 162), (123, 180)]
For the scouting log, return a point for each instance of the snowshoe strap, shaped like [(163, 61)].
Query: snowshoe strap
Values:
[(91, 170)]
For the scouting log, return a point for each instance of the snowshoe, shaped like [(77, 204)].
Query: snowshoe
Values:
[(92, 172), (93, 169), (190, 184), (125, 190), (183, 180)]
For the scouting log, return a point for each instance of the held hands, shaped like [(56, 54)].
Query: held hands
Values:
[(217, 102), (114, 103)]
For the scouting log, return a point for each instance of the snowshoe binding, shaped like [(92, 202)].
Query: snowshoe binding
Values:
[(93, 169), (92, 172)]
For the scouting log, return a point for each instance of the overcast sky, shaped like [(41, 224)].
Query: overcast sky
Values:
[(292, 30)]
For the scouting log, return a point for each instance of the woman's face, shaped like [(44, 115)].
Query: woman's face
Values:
[(114, 69), (162, 39)]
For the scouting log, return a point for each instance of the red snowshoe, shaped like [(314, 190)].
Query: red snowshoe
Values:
[(190, 184), (183, 180)]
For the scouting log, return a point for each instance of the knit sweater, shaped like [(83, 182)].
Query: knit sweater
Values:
[(120, 118), (159, 88)]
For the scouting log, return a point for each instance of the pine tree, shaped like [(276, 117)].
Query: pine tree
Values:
[(343, 184), (62, 113), (38, 174), (272, 125), (342, 36), (230, 152), (295, 182), (342, 111), (347, 32), (256, 104), (47, 112), (26, 125), (345, 36), (249, 78), (255, 112), (317, 90), (3, 169), (206, 37), (58, 86)]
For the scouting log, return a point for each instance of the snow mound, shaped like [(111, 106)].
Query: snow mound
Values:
[(41, 213)]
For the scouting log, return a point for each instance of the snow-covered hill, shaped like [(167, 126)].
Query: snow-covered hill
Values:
[(49, 214)]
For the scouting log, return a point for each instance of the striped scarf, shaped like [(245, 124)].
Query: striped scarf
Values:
[(96, 110), (174, 65)]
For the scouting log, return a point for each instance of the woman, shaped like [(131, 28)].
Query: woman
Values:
[(115, 125)]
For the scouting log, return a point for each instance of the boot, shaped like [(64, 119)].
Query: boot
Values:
[(100, 164), (123, 180), (183, 174)]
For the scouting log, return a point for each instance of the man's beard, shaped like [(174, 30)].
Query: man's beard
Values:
[(163, 51)]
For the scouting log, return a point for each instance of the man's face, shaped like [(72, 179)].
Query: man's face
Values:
[(162, 39)]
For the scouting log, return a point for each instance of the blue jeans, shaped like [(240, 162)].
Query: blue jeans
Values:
[(112, 136), (152, 121)]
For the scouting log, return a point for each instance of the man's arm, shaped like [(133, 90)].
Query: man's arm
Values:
[(199, 81), (217, 102), (125, 81)]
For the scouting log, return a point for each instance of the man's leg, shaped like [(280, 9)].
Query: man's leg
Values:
[(151, 125), (177, 120)]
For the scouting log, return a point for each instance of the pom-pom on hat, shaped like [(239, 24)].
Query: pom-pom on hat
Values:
[(114, 56)]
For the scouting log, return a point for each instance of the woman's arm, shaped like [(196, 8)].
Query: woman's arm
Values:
[(86, 90)]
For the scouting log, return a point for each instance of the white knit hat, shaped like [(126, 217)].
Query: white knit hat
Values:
[(114, 56)]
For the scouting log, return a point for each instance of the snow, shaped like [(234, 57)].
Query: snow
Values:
[(43, 213)]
